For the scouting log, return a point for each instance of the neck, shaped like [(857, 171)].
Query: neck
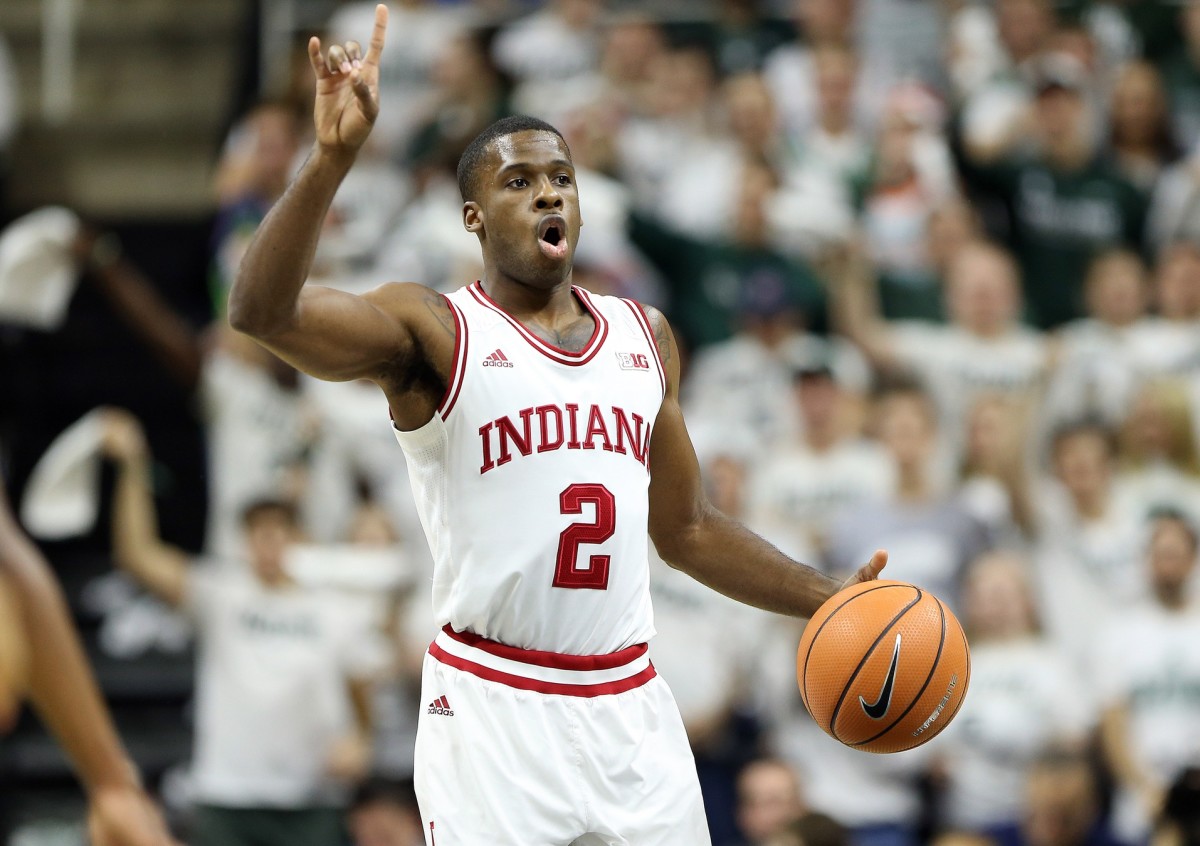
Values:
[(834, 123), (1092, 505), (911, 485), (1068, 155), (275, 582), (821, 438), (518, 297), (1138, 148), (989, 331), (1170, 597)]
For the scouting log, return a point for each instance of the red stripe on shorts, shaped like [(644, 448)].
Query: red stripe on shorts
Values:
[(538, 686), (553, 660)]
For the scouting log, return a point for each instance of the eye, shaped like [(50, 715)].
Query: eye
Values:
[(562, 179), (519, 182)]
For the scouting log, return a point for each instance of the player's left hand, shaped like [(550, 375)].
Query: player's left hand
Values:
[(125, 816), (870, 571)]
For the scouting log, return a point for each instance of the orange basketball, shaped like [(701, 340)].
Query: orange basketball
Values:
[(883, 666)]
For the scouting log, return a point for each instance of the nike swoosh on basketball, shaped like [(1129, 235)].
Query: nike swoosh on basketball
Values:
[(878, 709)]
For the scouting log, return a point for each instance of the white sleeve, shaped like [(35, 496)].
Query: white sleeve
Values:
[(202, 591), (916, 344)]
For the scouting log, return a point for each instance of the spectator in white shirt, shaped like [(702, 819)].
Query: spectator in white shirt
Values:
[(1024, 701), (1090, 535), (803, 486), (1097, 374), (283, 716), (1150, 687), (983, 350)]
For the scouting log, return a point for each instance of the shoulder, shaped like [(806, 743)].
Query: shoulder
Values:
[(400, 294), (412, 302), (664, 340)]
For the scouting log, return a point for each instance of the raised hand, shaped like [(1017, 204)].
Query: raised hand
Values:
[(123, 438), (124, 816), (347, 100)]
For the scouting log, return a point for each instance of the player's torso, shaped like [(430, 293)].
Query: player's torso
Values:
[(538, 514)]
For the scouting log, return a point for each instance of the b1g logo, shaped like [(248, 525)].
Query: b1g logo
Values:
[(633, 361)]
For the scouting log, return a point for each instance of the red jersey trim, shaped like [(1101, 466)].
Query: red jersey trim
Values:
[(574, 359), (538, 686), (643, 323), (553, 660), (455, 383)]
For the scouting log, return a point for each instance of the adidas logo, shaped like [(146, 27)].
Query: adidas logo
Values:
[(440, 706), (497, 359)]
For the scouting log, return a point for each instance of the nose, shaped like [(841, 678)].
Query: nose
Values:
[(548, 196)]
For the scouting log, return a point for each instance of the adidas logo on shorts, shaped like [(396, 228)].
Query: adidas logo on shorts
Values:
[(441, 707)]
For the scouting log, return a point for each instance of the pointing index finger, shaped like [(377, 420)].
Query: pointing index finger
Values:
[(377, 36)]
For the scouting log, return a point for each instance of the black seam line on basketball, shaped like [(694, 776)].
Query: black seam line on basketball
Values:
[(962, 697), (866, 655), (932, 669), (828, 617)]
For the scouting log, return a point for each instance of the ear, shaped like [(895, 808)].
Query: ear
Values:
[(472, 217)]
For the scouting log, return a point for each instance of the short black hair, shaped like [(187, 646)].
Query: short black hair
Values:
[(257, 508), (1086, 425), (476, 153), (1176, 516)]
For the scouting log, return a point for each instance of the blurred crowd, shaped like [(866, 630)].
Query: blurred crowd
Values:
[(935, 269)]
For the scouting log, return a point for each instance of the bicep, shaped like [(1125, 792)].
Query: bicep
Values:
[(340, 336), (163, 570), (677, 498)]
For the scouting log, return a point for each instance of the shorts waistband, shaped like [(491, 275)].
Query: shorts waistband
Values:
[(544, 672)]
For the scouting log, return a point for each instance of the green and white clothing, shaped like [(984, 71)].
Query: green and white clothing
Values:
[(1152, 667), (271, 691)]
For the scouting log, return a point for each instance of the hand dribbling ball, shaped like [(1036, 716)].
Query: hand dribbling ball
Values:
[(883, 666)]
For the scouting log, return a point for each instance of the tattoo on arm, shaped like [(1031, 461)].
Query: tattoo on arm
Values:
[(662, 335), (440, 309)]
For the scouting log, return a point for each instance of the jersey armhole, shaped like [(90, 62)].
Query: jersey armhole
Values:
[(643, 321), (459, 366)]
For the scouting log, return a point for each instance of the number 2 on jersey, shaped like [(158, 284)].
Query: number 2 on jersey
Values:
[(571, 501)]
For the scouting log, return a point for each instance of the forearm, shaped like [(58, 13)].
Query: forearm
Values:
[(263, 299), (854, 306), (729, 558), (61, 685), (135, 520), (360, 692), (1121, 760)]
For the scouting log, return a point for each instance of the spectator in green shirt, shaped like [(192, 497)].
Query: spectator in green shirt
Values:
[(708, 280), (1181, 73), (1064, 202)]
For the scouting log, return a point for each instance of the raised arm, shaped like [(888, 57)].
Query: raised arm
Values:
[(691, 535), (327, 333), (139, 551), (854, 301), (62, 688)]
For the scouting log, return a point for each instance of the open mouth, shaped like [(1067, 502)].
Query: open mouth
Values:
[(552, 236)]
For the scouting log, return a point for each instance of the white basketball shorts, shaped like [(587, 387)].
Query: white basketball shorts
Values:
[(524, 748)]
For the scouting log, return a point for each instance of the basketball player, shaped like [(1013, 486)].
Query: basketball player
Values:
[(543, 434), (40, 656)]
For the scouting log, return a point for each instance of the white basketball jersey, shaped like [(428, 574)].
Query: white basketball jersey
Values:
[(532, 478)]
